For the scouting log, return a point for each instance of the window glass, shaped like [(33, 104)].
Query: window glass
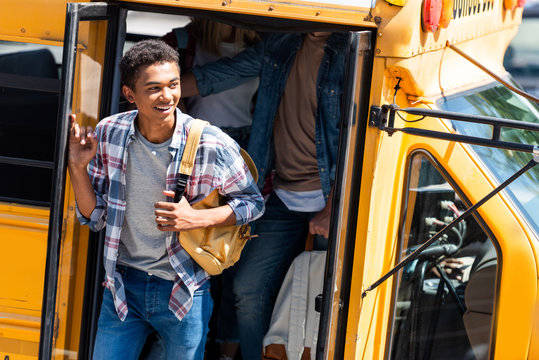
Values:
[(29, 94), (522, 56), (445, 298), (498, 101)]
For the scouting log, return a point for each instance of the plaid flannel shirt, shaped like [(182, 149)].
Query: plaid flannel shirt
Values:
[(218, 165)]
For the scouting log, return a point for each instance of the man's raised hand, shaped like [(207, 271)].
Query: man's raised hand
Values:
[(82, 144)]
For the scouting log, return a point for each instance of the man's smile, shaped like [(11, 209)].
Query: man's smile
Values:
[(164, 107)]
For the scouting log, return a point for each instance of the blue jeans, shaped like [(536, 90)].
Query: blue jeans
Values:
[(226, 327), (147, 300), (262, 268)]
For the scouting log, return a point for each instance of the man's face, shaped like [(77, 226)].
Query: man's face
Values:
[(156, 92)]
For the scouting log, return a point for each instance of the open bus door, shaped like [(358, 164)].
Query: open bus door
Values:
[(344, 225), (87, 27), (80, 69)]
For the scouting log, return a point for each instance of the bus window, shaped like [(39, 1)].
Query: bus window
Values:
[(29, 88), (445, 298), (498, 101)]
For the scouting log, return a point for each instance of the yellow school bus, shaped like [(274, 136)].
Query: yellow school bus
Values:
[(428, 257)]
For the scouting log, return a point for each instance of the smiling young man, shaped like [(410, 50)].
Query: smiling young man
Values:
[(124, 175)]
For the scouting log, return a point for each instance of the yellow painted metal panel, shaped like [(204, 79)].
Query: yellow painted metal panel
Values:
[(298, 10), (23, 244), (400, 33), (15, 356), (30, 21), (445, 71), (19, 349)]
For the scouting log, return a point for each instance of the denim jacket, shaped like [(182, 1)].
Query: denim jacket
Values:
[(271, 60)]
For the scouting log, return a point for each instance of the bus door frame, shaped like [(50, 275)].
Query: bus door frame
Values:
[(75, 13), (346, 192), (334, 304)]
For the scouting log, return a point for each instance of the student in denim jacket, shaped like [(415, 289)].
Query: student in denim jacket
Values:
[(293, 142)]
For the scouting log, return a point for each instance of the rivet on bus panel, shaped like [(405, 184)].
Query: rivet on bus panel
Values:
[(270, 8), (317, 13), (23, 30)]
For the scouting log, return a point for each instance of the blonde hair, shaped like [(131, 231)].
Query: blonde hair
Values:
[(208, 34)]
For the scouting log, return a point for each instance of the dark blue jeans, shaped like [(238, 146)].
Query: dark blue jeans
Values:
[(226, 327), (262, 268), (147, 300)]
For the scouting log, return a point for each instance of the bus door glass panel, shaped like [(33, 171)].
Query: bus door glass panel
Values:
[(445, 298), (71, 275)]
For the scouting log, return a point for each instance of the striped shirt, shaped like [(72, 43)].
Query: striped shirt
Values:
[(218, 165)]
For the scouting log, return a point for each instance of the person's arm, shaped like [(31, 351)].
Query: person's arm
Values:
[(87, 175), (82, 149), (182, 217), (239, 186), (223, 74), (319, 224), (245, 203)]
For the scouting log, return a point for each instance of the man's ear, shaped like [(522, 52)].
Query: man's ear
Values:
[(128, 93)]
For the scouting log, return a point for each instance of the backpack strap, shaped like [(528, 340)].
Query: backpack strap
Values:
[(189, 155)]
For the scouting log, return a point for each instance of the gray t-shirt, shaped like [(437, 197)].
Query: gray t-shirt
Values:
[(142, 245)]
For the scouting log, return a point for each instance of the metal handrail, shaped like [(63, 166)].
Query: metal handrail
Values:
[(384, 118)]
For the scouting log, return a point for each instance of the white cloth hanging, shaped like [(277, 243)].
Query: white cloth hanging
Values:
[(294, 321)]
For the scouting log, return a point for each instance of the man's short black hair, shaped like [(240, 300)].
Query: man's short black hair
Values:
[(145, 53)]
